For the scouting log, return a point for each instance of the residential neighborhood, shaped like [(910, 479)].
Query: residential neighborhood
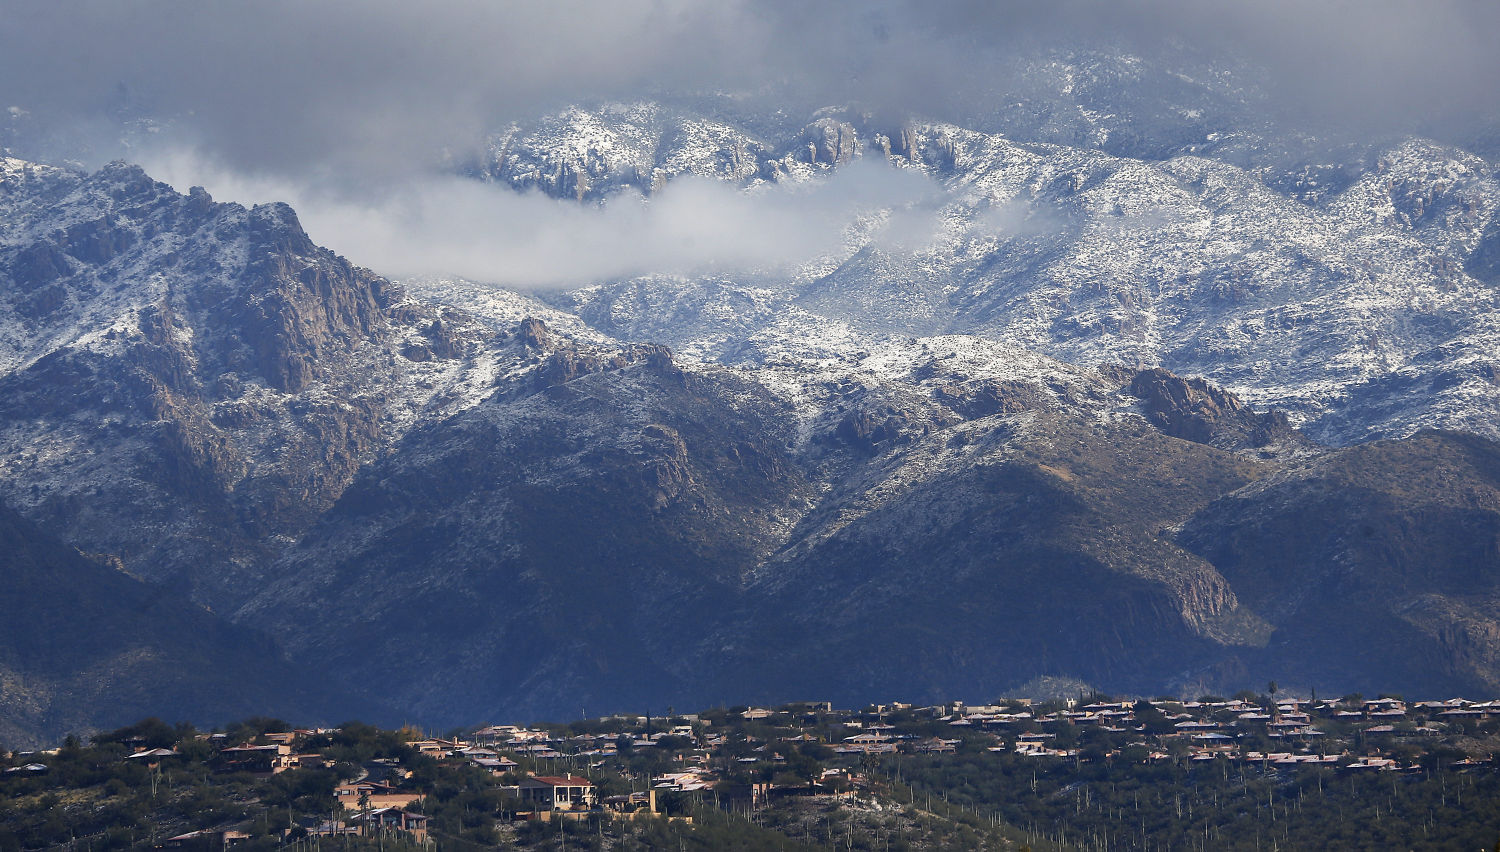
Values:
[(782, 768)]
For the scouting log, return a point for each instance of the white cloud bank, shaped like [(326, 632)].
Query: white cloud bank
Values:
[(448, 225)]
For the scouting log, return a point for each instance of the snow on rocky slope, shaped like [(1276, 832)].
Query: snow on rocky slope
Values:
[(1187, 261)]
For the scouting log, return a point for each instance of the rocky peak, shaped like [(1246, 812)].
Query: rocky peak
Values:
[(126, 184), (246, 366), (275, 229)]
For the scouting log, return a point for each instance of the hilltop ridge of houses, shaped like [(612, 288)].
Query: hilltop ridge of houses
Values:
[(811, 748)]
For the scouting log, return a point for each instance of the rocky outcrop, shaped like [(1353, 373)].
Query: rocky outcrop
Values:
[(902, 142), (300, 305), (37, 265), (566, 362), (986, 397), (533, 334), (830, 142), (1194, 410), (874, 429), (444, 338), (878, 424)]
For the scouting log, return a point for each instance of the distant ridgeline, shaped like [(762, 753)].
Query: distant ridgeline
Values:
[(1093, 772)]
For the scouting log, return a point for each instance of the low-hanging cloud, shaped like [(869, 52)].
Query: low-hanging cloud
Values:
[(486, 232)]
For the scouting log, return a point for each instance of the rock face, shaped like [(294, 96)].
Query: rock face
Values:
[(296, 306)]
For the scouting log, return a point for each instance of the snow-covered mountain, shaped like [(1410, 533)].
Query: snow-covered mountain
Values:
[(1099, 406), (1333, 304)]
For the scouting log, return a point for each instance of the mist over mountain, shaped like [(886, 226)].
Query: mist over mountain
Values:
[(381, 82), (676, 352)]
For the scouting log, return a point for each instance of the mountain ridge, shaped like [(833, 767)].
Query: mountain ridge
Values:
[(1020, 451)]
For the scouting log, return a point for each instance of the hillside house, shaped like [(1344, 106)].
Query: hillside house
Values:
[(496, 766), (358, 795), (558, 793), (437, 748), (260, 759), (392, 819)]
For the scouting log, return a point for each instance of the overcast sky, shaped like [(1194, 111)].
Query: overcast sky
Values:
[(379, 93)]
